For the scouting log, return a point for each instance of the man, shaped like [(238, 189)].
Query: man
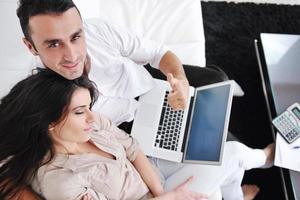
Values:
[(64, 44), (112, 57)]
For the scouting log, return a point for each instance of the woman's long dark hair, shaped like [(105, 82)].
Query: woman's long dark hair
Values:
[(25, 115)]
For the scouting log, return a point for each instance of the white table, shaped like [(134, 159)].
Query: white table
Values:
[(279, 57)]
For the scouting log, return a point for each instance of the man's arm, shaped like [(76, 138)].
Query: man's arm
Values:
[(171, 66), (143, 51), (145, 169)]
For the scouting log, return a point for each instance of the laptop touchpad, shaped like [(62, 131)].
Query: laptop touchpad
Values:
[(149, 113)]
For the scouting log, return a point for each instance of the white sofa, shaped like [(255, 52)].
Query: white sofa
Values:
[(177, 23)]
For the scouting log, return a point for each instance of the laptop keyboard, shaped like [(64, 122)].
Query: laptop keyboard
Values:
[(168, 132)]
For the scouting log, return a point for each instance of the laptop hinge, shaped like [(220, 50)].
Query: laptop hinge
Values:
[(187, 123)]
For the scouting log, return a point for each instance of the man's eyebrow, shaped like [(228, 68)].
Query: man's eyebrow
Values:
[(76, 33), (51, 41)]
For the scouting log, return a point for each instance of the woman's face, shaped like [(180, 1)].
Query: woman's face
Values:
[(78, 122)]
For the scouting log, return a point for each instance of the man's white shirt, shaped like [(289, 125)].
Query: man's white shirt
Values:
[(117, 59)]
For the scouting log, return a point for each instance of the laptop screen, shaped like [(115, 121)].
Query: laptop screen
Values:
[(209, 123)]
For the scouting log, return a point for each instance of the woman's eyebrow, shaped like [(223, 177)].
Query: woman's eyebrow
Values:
[(83, 106)]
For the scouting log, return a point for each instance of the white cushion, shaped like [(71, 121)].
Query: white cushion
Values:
[(13, 53), (237, 91), (14, 56), (8, 78), (177, 23)]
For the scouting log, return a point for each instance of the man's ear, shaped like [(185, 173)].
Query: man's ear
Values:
[(30, 46)]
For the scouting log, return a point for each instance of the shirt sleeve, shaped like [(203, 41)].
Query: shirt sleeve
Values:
[(138, 49), (129, 143)]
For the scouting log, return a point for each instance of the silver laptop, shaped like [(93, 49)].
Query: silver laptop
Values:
[(194, 135)]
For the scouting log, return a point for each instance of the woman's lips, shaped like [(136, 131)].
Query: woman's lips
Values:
[(88, 129)]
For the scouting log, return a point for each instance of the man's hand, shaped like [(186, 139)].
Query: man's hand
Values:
[(180, 92)]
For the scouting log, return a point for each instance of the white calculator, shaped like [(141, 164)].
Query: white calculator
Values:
[(288, 123)]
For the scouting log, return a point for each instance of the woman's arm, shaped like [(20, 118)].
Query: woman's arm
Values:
[(145, 169)]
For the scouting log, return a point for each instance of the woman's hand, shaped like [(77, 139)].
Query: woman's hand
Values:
[(87, 197), (181, 192)]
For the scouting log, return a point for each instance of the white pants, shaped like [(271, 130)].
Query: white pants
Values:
[(237, 158)]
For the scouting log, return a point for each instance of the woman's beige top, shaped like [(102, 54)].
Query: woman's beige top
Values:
[(72, 176)]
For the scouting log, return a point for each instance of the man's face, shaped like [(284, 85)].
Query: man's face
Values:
[(59, 40)]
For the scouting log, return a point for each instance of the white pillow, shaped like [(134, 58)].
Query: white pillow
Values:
[(13, 53), (177, 23), (14, 56), (8, 78)]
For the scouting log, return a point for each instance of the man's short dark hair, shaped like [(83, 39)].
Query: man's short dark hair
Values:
[(30, 8)]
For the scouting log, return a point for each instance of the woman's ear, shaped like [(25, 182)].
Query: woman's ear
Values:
[(51, 127)]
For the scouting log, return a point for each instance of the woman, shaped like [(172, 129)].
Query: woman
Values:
[(51, 140), (46, 121)]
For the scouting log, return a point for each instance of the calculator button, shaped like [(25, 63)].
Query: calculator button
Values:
[(293, 135), (295, 132)]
